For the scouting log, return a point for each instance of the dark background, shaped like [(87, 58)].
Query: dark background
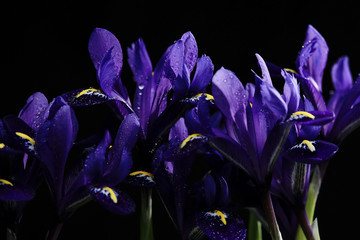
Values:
[(45, 50)]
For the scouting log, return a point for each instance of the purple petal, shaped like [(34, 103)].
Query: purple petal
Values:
[(291, 91), (141, 179), (32, 112), (312, 58), (179, 130), (125, 140), (311, 117), (311, 151), (312, 92), (341, 75), (270, 101), (190, 50), (220, 225), (18, 135), (10, 191), (203, 75), (209, 190), (100, 42), (228, 92), (55, 139), (113, 200), (265, 72), (140, 62), (85, 97), (95, 161)]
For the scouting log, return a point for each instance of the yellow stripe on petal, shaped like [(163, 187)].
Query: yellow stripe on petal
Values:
[(190, 138), (112, 194), (5, 182), (309, 145), (2, 145), (221, 215), (301, 114), (136, 173), (26, 137), (207, 96), (290, 70), (86, 91)]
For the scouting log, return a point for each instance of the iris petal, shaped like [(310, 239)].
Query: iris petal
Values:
[(113, 199), (219, 225)]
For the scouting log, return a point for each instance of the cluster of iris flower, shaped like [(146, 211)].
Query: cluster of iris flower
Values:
[(215, 151)]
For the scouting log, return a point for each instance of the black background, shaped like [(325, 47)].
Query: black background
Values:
[(44, 48)]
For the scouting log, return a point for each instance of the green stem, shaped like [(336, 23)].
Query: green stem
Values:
[(313, 192), (10, 234), (55, 232), (146, 228), (270, 216), (305, 225), (254, 230)]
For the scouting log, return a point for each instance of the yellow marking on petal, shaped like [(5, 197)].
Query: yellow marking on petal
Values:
[(190, 138), (250, 104), (24, 136), (6, 182), (309, 145), (290, 70), (207, 96), (2, 145), (221, 215), (302, 113), (87, 91), (110, 146), (141, 173), (112, 194)]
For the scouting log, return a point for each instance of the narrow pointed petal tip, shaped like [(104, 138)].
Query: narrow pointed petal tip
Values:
[(219, 225)]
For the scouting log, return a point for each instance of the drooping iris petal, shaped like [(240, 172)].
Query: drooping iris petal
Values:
[(19, 135), (203, 74), (341, 75), (141, 179), (113, 200), (11, 191), (100, 42), (311, 151), (228, 92), (85, 97), (32, 113), (179, 130), (311, 117), (220, 225)]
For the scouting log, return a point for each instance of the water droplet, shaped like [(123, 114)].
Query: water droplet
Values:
[(141, 86)]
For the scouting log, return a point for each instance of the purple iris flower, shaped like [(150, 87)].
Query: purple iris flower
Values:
[(104, 167), (344, 101), (258, 119), (22, 174), (17, 137), (210, 212)]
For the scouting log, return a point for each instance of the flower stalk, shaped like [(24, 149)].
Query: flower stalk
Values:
[(146, 227), (270, 216)]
